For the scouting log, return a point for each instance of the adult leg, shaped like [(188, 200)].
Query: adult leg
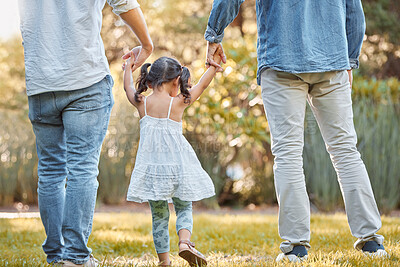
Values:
[(85, 121), (52, 171), (160, 218), (284, 96), (330, 100)]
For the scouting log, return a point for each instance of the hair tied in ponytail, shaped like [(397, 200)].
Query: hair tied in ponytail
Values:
[(141, 83), (184, 84)]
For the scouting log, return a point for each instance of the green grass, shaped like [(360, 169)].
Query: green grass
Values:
[(124, 239)]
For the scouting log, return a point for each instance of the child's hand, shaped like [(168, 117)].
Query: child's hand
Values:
[(129, 62)]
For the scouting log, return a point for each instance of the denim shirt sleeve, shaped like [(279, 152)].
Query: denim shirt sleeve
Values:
[(122, 6), (355, 30), (223, 12)]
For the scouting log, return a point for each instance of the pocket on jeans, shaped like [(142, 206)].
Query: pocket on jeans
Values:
[(96, 96), (34, 108), (110, 80)]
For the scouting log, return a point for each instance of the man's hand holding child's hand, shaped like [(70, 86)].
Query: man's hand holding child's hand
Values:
[(129, 61), (217, 59)]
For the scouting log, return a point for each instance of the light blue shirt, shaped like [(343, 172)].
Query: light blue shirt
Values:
[(62, 43), (299, 36)]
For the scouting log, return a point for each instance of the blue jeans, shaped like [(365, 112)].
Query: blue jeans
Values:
[(70, 127)]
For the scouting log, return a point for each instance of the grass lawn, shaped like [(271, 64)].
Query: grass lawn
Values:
[(124, 239)]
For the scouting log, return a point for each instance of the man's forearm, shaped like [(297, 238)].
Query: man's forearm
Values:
[(222, 14), (135, 20)]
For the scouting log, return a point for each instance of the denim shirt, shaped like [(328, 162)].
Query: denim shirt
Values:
[(62, 43), (299, 36)]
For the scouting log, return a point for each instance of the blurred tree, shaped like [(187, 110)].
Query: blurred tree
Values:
[(12, 75), (382, 18), (381, 49)]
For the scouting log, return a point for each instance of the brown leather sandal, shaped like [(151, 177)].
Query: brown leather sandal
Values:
[(191, 255)]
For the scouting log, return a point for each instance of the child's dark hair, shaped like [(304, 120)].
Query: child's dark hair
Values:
[(163, 70)]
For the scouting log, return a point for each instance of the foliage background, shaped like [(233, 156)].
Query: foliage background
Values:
[(227, 126)]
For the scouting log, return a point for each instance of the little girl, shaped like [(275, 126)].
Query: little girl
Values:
[(166, 167)]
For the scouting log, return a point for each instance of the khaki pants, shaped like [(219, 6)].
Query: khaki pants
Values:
[(329, 96)]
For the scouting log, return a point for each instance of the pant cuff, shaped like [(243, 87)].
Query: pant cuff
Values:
[(162, 250), (288, 246), (361, 241)]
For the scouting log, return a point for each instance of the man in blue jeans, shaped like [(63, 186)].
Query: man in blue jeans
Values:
[(70, 97), (306, 50)]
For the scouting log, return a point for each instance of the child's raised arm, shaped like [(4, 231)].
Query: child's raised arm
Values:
[(204, 81), (128, 82)]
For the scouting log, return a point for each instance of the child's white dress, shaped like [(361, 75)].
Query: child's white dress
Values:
[(166, 165)]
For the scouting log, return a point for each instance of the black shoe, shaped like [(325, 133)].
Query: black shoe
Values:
[(372, 248)]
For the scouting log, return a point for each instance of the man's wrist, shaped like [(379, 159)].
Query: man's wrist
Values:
[(212, 37), (148, 46)]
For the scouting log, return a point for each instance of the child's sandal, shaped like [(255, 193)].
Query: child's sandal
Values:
[(191, 255)]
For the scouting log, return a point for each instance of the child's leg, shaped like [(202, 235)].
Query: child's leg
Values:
[(184, 220), (184, 226), (160, 216)]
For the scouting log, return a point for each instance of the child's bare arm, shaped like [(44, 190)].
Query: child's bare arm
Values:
[(128, 83), (204, 81)]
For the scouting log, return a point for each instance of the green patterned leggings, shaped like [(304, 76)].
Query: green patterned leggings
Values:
[(160, 215)]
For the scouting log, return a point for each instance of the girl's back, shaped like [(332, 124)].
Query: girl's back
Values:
[(166, 165), (161, 138)]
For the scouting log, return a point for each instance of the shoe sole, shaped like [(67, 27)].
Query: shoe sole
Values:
[(291, 258), (192, 259), (379, 253)]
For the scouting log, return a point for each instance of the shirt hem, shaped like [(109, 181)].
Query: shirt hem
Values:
[(169, 199), (317, 70), (31, 92)]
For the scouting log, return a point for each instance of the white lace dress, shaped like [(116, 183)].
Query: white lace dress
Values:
[(166, 165)]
